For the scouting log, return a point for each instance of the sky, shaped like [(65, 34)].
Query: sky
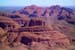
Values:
[(37, 2)]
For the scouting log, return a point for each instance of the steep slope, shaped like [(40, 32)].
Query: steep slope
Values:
[(62, 18), (59, 29)]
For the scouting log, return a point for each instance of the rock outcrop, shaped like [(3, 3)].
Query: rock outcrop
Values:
[(38, 28)]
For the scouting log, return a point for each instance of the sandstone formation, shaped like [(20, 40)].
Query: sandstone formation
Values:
[(37, 28)]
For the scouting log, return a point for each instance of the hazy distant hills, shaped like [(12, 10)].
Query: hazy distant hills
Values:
[(11, 9)]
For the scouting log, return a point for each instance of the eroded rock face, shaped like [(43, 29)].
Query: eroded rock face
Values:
[(44, 33), (41, 41), (59, 13)]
